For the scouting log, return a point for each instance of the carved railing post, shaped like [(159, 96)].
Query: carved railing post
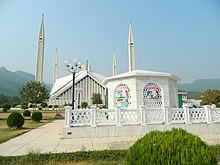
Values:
[(143, 113), (68, 116), (118, 115), (208, 113), (166, 114), (93, 116), (187, 115)]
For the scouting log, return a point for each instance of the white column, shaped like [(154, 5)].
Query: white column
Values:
[(187, 117), (208, 114), (143, 112), (166, 114), (118, 116), (68, 116), (93, 116)]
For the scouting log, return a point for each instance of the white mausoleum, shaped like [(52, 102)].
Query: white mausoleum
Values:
[(140, 87)]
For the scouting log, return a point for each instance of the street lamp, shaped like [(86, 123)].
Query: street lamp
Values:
[(73, 68)]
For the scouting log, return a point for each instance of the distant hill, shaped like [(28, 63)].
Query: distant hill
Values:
[(10, 82), (201, 85)]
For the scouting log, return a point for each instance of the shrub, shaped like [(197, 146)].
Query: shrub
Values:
[(55, 106), (50, 106), (27, 113), (43, 105), (84, 104), (24, 106), (36, 116), (170, 147), (15, 119), (6, 107)]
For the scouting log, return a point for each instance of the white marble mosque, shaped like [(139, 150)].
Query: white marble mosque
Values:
[(128, 90), (139, 101)]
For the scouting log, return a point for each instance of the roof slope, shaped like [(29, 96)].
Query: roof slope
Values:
[(65, 82)]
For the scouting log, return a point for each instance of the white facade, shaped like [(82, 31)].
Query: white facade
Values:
[(139, 87), (86, 83)]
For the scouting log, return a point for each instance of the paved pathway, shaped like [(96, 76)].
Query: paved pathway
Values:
[(47, 139)]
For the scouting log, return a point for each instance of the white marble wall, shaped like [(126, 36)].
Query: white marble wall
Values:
[(137, 84)]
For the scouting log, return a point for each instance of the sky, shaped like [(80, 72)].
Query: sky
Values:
[(181, 37)]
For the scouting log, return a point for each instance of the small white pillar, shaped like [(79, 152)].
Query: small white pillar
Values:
[(93, 116), (118, 115), (187, 117), (208, 113), (143, 113), (68, 116), (166, 114)]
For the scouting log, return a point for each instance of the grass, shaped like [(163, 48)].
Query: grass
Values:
[(7, 133), (106, 157)]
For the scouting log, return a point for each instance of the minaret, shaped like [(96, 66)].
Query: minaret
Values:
[(40, 53), (131, 58), (114, 65), (55, 76)]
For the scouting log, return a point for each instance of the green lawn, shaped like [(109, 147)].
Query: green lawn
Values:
[(7, 133), (106, 157)]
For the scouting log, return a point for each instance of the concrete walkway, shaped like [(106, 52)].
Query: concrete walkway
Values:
[(47, 139)]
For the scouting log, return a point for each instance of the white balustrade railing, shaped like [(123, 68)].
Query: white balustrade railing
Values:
[(99, 117), (177, 115), (215, 115)]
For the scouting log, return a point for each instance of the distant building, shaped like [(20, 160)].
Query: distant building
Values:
[(86, 83)]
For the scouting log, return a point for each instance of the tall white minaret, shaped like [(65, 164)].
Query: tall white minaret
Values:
[(131, 57), (55, 76), (114, 65), (40, 53)]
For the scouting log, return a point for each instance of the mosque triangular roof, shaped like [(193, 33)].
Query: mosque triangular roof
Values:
[(66, 82)]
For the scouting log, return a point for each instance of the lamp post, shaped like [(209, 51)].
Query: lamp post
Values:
[(73, 68)]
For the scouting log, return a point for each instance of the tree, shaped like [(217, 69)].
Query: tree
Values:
[(210, 95), (6, 107), (13, 100), (33, 92), (96, 98)]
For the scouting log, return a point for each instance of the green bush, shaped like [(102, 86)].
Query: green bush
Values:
[(36, 116), (6, 107), (15, 119), (55, 106), (43, 105), (84, 104), (24, 106), (26, 113), (170, 147)]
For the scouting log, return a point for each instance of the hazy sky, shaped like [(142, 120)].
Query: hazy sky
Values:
[(181, 37)]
